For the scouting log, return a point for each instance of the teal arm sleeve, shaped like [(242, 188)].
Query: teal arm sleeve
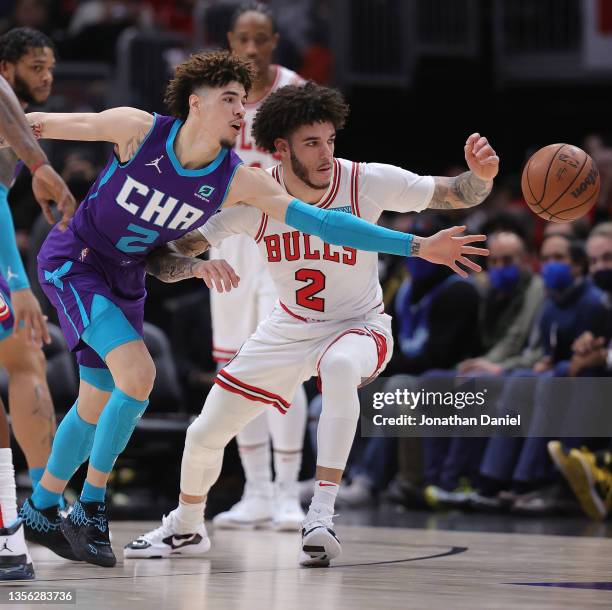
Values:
[(346, 230), (11, 265)]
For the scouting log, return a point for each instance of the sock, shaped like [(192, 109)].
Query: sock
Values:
[(256, 463), (287, 466), (324, 498), (188, 517), (35, 476), (91, 493), (45, 498), (8, 494)]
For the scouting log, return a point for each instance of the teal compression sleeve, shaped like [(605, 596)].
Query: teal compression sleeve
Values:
[(11, 265), (346, 230)]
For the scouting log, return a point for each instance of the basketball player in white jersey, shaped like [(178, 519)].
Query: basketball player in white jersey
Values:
[(236, 314), (329, 320)]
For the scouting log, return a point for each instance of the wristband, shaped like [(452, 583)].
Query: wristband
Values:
[(37, 166)]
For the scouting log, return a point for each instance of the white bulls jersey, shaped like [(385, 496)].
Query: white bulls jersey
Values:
[(315, 280), (235, 314)]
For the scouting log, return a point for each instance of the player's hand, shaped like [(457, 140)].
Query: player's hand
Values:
[(48, 186), (481, 157), (217, 273), (30, 323), (449, 247)]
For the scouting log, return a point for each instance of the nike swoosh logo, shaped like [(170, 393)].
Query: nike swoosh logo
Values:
[(327, 485), (176, 542)]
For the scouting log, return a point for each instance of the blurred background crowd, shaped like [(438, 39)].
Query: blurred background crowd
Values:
[(420, 76)]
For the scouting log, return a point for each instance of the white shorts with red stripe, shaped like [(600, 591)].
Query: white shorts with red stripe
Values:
[(284, 352), (236, 314)]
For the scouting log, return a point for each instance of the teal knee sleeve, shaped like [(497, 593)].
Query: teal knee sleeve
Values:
[(115, 427), (71, 446), (109, 328), (98, 378)]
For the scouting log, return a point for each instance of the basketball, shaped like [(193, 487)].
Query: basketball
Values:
[(560, 183)]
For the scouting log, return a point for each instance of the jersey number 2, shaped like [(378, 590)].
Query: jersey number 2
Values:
[(306, 296), (143, 236)]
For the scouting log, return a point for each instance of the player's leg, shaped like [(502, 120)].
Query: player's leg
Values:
[(133, 372), (349, 360), (71, 447), (183, 532), (15, 561), (287, 432), (255, 508), (30, 404)]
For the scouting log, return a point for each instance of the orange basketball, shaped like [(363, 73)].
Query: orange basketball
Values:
[(560, 183)]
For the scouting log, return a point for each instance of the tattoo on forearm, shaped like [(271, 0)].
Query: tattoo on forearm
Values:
[(415, 246), (192, 244), (170, 267), (463, 191)]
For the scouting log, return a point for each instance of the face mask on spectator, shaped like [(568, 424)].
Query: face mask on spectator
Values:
[(557, 276), (504, 279), (603, 279), (419, 268)]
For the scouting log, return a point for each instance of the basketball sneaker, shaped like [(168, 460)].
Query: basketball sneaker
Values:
[(319, 541), (15, 561), (590, 478), (437, 497), (559, 454), (288, 514), (253, 511), (44, 527), (86, 529), (165, 541)]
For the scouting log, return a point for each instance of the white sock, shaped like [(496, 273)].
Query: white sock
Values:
[(8, 494), (188, 517), (287, 466), (256, 462), (324, 498)]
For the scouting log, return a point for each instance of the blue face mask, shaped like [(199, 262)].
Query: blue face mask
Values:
[(557, 276), (419, 268), (504, 279)]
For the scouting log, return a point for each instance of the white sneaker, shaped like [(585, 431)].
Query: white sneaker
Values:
[(253, 511), (288, 514), (165, 542), (15, 561), (319, 541)]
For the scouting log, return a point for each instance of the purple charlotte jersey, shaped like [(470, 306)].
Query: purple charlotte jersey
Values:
[(131, 209)]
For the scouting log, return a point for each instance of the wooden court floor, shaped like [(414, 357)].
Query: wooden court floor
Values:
[(380, 568)]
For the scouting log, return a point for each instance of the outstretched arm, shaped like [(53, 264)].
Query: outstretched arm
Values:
[(470, 188), (124, 126), (257, 188)]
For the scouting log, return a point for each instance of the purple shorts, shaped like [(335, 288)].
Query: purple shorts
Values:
[(72, 276)]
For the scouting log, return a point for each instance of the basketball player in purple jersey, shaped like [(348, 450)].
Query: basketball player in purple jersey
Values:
[(26, 66), (166, 177)]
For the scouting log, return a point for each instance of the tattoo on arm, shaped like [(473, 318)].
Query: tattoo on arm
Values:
[(169, 266), (127, 151), (415, 246), (463, 191), (191, 244)]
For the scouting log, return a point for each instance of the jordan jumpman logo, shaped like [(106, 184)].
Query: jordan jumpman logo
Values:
[(155, 163)]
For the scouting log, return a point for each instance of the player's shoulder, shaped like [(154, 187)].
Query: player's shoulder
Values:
[(285, 76)]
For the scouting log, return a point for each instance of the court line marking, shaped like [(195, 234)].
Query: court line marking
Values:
[(454, 550)]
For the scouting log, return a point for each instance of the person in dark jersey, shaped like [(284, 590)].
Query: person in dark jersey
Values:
[(166, 177)]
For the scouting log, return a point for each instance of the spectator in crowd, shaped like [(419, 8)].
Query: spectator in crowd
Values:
[(436, 312), (515, 472)]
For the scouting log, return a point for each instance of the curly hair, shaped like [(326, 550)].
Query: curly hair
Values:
[(212, 69), (290, 107), (18, 41)]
